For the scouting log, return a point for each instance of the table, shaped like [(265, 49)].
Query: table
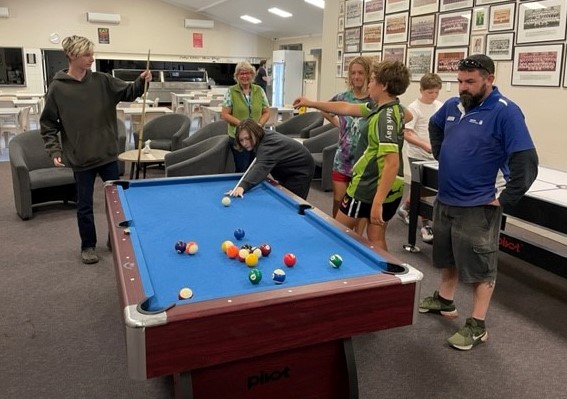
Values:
[(34, 103), (190, 103), (234, 339), (154, 157), (545, 205)]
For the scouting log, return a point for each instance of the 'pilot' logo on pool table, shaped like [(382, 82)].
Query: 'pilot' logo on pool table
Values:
[(265, 377)]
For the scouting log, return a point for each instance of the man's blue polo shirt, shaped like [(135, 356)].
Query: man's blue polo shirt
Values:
[(475, 146)]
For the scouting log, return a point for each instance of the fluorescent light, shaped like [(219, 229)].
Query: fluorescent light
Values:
[(279, 13), (250, 19), (316, 3), (534, 6)]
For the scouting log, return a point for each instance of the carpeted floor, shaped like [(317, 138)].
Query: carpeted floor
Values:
[(61, 333)]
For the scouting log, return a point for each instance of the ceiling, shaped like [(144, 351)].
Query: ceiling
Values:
[(307, 20)]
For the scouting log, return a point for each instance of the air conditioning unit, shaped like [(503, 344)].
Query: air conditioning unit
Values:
[(200, 23), (103, 18)]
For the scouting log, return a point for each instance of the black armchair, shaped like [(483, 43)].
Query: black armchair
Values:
[(217, 128), (166, 132), (35, 179), (323, 148), (207, 157), (300, 125)]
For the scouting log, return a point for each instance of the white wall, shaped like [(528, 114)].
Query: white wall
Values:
[(542, 107)]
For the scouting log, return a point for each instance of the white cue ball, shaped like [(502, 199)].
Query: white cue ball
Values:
[(225, 201)]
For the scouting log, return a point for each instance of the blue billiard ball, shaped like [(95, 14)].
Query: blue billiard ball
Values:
[(278, 276), (180, 247), (239, 234)]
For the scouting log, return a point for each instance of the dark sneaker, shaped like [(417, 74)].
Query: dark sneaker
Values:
[(468, 336), (403, 213), (427, 234), (432, 304), (88, 256)]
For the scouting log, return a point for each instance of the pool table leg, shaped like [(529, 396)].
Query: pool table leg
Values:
[(351, 368), (183, 385)]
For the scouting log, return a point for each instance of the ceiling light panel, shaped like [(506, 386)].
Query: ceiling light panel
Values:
[(279, 12)]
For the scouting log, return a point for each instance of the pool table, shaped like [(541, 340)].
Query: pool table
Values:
[(234, 339)]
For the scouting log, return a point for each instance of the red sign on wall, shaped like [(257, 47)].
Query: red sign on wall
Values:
[(197, 40)]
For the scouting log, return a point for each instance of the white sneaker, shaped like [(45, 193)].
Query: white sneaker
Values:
[(403, 214), (427, 234)]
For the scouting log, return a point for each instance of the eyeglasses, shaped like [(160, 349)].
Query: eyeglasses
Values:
[(244, 73), (467, 63)]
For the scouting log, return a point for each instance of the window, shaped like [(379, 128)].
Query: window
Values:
[(12, 66)]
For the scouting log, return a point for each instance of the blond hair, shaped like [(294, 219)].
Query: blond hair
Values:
[(244, 66), (74, 46), (366, 64)]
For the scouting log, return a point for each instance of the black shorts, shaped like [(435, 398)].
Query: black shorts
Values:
[(357, 209)]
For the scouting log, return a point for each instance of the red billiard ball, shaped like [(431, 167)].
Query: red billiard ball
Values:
[(266, 249), (289, 259)]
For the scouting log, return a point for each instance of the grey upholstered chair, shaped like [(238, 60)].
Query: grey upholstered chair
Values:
[(207, 157), (300, 125), (217, 128), (323, 148), (34, 178), (320, 129), (166, 132)]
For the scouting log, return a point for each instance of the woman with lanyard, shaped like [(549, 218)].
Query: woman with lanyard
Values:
[(242, 101)]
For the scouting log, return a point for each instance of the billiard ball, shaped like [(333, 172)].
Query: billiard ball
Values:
[(251, 260), (289, 259), (255, 276), (232, 251), (225, 201), (256, 251), (246, 246), (278, 276), (266, 249), (180, 247), (185, 293), (239, 234), (191, 248), (242, 254), (335, 261), (225, 245)]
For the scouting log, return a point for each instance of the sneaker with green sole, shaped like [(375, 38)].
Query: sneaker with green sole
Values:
[(432, 304), (469, 336)]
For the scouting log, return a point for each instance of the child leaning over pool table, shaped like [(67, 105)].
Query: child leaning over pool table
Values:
[(376, 188), (288, 161)]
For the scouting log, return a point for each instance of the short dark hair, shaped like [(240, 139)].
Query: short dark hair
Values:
[(394, 75), (253, 128), (479, 62), (430, 81)]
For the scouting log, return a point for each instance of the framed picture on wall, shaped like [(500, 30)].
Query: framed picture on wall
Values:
[(422, 30), (500, 46), (340, 55), (450, 5), (372, 37), (502, 17), (543, 23), (373, 10), (447, 61), (396, 28), (375, 56), (353, 13), (393, 6), (339, 70), (453, 29), (395, 52), (341, 8), (479, 18), (537, 65), (419, 61), (420, 7), (340, 40), (484, 2), (352, 40), (477, 44)]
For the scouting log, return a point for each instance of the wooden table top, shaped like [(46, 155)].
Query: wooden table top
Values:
[(155, 156)]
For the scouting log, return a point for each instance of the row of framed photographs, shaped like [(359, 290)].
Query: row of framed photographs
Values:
[(542, 21), (539, 65)]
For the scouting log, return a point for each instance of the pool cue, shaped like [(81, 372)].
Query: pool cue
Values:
[(141, 136), (243, 176)]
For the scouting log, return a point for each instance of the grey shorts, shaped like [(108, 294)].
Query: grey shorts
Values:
[(467, 238)]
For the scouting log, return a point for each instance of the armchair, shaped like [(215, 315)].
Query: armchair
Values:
[(207, 157), (300, 125), (323, 148), (217, 128), (166, 131), (35, 179)]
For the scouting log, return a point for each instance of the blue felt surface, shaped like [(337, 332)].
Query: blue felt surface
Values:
[(191, 210)]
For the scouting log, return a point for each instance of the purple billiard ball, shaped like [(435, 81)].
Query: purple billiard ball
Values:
[(239, 234), (180, 247)]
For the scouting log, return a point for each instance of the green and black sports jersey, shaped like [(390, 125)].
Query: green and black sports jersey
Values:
[(385, 135)]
